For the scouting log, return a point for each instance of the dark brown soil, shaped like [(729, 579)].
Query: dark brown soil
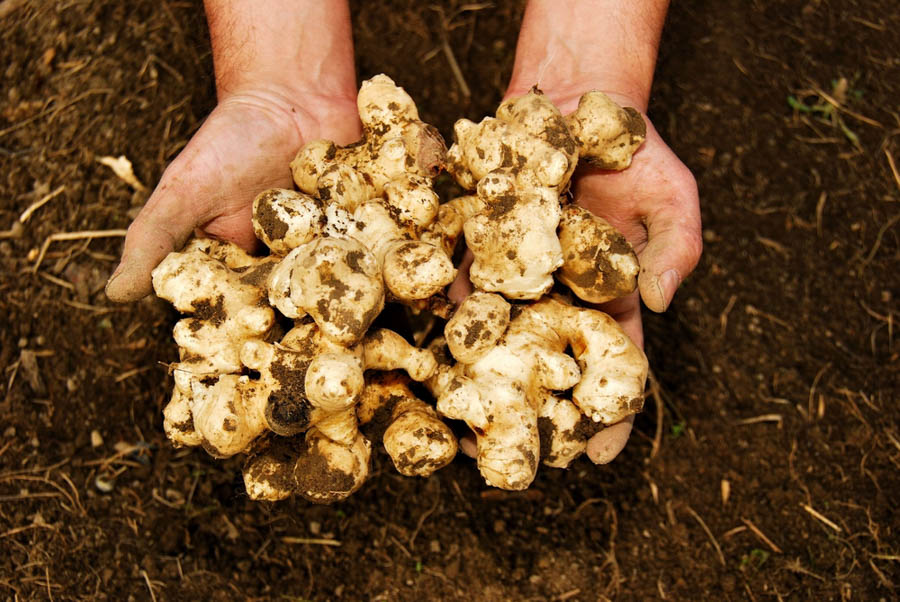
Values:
[(776, 367)]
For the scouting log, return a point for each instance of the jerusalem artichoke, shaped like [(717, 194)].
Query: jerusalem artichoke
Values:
[(534, 380)]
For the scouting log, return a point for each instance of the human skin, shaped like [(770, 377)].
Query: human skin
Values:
[(568, 48), (284, 76)]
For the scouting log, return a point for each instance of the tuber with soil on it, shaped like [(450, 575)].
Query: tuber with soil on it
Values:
[(278, 355)]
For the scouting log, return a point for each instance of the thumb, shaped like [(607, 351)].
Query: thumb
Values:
[(674, 242), (462, 286), (603, 447), (211, 184), (162, 226)]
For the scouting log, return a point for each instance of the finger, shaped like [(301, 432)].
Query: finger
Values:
[(674, 242), (627, 312), (233, 228), (468, 445), (462, 286), (603, 447), (210, 184), (162, 226)]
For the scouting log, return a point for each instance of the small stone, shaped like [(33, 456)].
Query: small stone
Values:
[(103, 484), (96, 438), (175, 496)]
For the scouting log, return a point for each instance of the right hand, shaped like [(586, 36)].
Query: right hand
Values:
[(244, 147)]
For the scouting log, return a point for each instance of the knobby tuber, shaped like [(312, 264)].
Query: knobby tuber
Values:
[(278, 356), (501, 389), (350, 238), (518, 164)]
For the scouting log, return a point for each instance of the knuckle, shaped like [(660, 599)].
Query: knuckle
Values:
[(693, 243)]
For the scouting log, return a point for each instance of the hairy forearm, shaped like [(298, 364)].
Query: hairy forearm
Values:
[(297, 45), (570, 47)]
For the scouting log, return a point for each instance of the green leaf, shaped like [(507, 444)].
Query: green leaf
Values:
[(759, 556), (797, 105), (756, 558), (849, 134)]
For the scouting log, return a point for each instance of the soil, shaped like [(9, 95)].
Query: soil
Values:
[(766, 464)]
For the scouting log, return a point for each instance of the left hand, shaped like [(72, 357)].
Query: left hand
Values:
[(655, 204)]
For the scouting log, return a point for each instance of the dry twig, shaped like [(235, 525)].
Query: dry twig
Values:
[(656, 393), (311, 541), (53, 111), (123, 169), (723, 317), (40, 203), (149, 585), (774, 245), (820, 517), (840, 107), (753, 311), (425, 515), (81, 235), (820, 208), (762, 536), (812, 389), (887, 226), (893, 167), (764, 418), (709, 534)]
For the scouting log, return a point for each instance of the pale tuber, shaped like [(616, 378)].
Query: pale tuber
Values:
[(500, 391), (519, 163), (279, 358)]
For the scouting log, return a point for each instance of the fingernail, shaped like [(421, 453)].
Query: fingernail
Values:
[(468, 446), (667, 285), (115, 274)]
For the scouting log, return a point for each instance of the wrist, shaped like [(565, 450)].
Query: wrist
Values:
[(565, 95), (313, 114), (569, 48), (293, 49)]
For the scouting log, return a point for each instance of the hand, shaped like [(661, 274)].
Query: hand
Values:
[(655, 204), (244, 147)]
